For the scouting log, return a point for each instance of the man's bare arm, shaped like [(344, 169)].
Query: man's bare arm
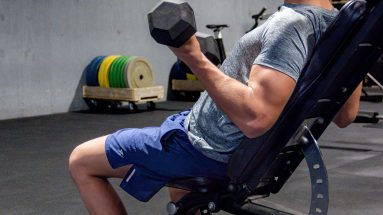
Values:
[(254, 107), (349, 110)]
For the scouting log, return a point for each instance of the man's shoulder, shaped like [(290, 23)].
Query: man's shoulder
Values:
[(286, 22), (288, 16), (305, 15)]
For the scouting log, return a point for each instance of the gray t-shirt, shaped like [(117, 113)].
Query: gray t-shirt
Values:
[(284, 42)]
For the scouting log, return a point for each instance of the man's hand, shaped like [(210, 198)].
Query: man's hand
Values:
[(190, 52)]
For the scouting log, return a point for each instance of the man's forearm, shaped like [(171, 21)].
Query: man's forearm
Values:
[(346, 115)]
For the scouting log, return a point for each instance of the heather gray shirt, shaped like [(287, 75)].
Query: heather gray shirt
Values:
[(284, 42)]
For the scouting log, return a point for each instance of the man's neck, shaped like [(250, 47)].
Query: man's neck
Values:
[(318, 3)]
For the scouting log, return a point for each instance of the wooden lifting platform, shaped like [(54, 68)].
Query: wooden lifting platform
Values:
[(97, 96), (187, 85)]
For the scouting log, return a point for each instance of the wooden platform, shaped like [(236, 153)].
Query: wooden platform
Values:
[(187, 85), (145, 94)]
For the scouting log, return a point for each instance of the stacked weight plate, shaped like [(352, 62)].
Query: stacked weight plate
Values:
[(121, 78), (92, 71), (116, 71)]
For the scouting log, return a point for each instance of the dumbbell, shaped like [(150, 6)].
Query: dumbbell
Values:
[(172, 23), (209, 47)]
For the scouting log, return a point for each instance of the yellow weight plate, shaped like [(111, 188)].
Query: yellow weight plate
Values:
[(103, 72), (139, 73), (100, 71), (191, 77)]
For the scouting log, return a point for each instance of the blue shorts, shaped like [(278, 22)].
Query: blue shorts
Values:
[(159, 155)]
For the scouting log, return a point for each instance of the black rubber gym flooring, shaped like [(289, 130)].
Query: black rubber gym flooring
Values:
[(34, 151)]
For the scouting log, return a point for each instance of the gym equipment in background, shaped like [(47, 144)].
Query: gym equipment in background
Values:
[(257, 17), (372, 92), (114, 79), (373, 83), (218, 36), (368, 117)]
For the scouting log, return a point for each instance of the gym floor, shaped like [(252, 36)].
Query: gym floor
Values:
[(35, 180)]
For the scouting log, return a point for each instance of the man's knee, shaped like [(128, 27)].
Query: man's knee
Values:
[(89, 160), (76, 163)]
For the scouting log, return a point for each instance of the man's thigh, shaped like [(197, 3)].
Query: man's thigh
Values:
[(91, 158), (154, 163), (176, 159)]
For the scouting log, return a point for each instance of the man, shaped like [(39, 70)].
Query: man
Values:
[(243, 99)]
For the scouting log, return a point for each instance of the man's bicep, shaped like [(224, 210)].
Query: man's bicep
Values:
[(272, 88)]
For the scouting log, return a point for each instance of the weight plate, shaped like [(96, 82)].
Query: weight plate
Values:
[(110, 74), (101, 72), (117, 72), (113, 76), (92, 71), (96, 66), (126, 71), (121, 71), (139, 73), (104, 70), (88, 77), (190, 76)]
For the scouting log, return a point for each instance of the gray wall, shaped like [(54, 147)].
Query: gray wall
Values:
[(46, 44)]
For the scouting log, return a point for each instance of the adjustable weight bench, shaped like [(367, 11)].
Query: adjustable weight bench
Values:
[(261, 166)]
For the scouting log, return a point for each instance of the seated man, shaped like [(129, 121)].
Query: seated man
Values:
[(243, 99)]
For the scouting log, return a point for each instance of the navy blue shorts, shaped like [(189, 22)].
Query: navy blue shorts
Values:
[(159, 155)]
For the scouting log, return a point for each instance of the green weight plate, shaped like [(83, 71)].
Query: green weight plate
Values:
[(113, 76), (110, 75), (122, 71), (113, 72), (117, 71), (110, 68)]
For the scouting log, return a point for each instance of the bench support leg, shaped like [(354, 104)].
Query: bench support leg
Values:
[(318, 174)]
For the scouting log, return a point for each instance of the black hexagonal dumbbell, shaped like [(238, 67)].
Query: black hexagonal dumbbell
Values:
[(209, 47), (172, 22)]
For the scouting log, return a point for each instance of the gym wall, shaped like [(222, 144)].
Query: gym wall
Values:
[(46, 44)]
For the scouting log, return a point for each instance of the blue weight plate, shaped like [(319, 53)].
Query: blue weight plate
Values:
[(86, 71), (178, 71), (92, 72)]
